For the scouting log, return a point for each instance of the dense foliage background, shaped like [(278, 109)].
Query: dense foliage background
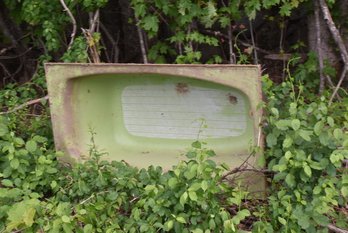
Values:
[(301, 46)]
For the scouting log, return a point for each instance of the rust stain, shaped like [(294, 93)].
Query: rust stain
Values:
[(182, 88), (232, 99)]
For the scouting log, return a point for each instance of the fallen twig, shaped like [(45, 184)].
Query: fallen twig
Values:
[(26, 104), (72, 37), (244, 169), (336, 229)]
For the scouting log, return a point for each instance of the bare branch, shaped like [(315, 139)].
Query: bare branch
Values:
[(256, 60), (26, 104), (141, 40), (94, 21), (232, 55), (230, 45), (115, 49), (343, 75), (336, 229), (339, 41), (243, 169), (72, 37), (217, 33), (92, 47), (14, 57), (318, 42), (334, 31)]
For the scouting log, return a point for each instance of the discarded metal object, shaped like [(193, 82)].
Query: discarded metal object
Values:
[(150, 114)]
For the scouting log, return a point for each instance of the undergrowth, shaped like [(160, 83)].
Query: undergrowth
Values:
[(306, 146)]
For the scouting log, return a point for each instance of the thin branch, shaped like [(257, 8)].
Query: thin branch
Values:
[(26, 104), (343, 75), (256, 60), (4, 50), (334, 31), (115, 49), (339, 41), (232, 55), (94, 21), (319, 51), (179, 44), (217, 33), (243, 168), (141, 40), (92, 47), (72, 37), (160, 15), (281, 49), (5, 69), (105, 50), (14, 57), (230, 45), (188, 33), (336, 229)]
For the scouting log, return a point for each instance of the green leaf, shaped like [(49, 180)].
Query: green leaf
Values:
[(183, 198), (31, 146), (305, 134), (282, 221), (290, 180), (212, 224), (169, 225), (275, 112), (22, 213), (295, 124), (7, 183), (88, 228), (287, 142), (241, 215), (172, 182), (3, 129), (303, 221), (318, 127), (338, 134), (271, 140), (150, 23), (336, 158), (283, 124), (180, 219), (65, 219), (344, 191), (308, 170), (82, 211), (197, 144), (331, 121), (316, 190), (14, 163), (193, 195), (204, 185)]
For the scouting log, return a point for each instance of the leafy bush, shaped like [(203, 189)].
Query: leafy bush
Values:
[(39, 193), (307, 144)]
